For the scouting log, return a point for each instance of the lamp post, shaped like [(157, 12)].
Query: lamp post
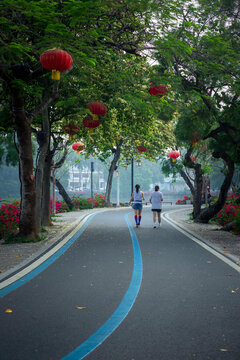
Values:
[(54, 191), (92, 170), (132, 174), (118, 188)]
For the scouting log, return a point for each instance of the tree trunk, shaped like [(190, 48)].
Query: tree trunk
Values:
[(187, 181), (196, 189), (43, 141), (110, 174), (197, 198), (64, 194), (27, 221), (46, 196), (208, 213)]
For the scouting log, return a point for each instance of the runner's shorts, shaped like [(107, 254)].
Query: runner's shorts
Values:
[(157, 210)]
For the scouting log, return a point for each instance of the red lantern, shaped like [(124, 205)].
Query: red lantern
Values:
[(72, 129), (97, 108), (193, 158), (195, 139), (56, 60), (91, 124), (174, 154), (141, 148), (158, 91), (78, 147)]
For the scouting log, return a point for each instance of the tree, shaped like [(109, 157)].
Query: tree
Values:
[(133, 116), (33, 26), (198, 53)]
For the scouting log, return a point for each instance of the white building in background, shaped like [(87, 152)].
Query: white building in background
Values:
[(80, 180)]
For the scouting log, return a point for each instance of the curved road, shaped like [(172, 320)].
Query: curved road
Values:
[(187, 307)]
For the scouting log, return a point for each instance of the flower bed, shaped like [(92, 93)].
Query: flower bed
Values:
[(9, 218), (185, 200), (9, 213), (229, 213), (82, 203), (60, 206)]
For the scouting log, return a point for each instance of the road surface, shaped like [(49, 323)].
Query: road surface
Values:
[(155, 295)]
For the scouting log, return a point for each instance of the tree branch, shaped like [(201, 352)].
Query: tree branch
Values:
[(45, 102)]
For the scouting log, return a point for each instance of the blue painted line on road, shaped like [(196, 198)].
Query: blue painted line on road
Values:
[(46, 263), (123, 309)]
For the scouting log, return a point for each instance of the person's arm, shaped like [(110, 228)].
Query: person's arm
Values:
[(162, 197), (143, 196), (131, 199)]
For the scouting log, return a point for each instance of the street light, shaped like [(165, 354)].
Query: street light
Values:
[(92, 170), (132, 174), (118, 188)]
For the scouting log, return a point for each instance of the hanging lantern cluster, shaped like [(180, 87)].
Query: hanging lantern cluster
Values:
[(91, 124), (195, 139), (174, 154), (141, 148), (97, 109), (78, 147), (158, 90), (72, 130), (57, 61)]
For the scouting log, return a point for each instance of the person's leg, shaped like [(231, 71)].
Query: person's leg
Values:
[(159, 218), (139, 216), (154, 218), (135, 216)]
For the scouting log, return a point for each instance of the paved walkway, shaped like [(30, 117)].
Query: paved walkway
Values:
[(16, 256), (224, 241)]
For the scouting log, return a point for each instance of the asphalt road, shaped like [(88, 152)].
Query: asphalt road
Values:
[(187, 308)]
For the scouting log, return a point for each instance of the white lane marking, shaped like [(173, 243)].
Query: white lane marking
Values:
[(202, 244), (43, 258)]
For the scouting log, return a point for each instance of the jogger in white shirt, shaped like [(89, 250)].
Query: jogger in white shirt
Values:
[(156, 199)]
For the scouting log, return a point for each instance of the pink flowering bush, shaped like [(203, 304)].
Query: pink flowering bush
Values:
[(80, 203), (9, 218), (98, 200), (60, 206), (9, 213), (180, 202), (183, 201), (230, 212)]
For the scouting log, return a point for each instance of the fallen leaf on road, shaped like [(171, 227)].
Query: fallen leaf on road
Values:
[(228, 275), (8, 311), (223, 350), (84, 266), (225, 252), (81, 307), (17, 256), (233, 291), (148, 253)]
